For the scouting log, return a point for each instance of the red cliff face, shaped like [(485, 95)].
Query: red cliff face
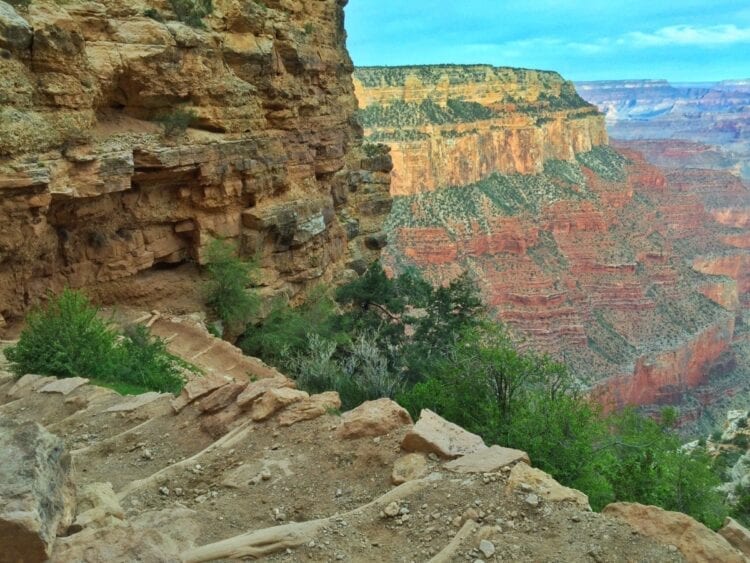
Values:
[(636, 277)]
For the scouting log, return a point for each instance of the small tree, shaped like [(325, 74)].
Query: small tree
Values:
[(175, 122), (226, 291)]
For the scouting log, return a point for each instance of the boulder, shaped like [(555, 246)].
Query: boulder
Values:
[(373, 418), (256, 389), (15, 32), (524, 477), (696, 542), (409, 468), (97, 506), (221, 398), (152, 537), (64, 385), (274, 400), (310, 408), (434, 434), (37, 495), (490, 460), (197, 388), (737, 535)]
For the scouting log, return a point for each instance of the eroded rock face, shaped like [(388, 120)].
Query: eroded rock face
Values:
[(526, 478), (37, 496), (737, 535), (696, 542), (93, 192)]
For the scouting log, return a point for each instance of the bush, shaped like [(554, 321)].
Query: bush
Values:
[(226, 291), (192, 12), (68, 339), (176, 122)]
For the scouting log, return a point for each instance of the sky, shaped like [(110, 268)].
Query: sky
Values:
[(681, 41)]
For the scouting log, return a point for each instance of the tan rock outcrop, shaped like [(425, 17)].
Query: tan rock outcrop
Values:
[(696, 542), (373, 418), (310, 408), (524, 477), (257, 389), (434, 434), (221, 398), (199, 387), (490, 460), (274, 400)]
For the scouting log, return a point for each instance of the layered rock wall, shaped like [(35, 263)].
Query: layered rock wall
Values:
[(455, 125), (92, 189)]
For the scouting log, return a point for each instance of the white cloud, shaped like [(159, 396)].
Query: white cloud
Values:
[(688, 35)]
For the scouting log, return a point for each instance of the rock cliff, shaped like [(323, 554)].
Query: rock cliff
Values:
[(635, 276), (455, 125), (94, 191)]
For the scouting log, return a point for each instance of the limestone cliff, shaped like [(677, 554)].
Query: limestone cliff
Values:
[(637, 278), (455, 125), (93, 191)]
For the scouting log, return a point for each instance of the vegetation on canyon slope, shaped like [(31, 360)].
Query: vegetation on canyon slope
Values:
[(67, 338), (435, 348)]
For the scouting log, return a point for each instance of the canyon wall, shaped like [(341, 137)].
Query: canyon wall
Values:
[(635, 276), (94, 187), (455, 125)]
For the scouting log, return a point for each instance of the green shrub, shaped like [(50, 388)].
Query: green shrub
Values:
[(226, 290), (176, 122), (153, 14), (192, 12), (67, 338)]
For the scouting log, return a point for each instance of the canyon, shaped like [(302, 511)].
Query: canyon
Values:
[(95, 194), (635, 276)]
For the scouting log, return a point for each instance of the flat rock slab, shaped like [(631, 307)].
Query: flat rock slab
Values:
[(490, 460), (274, 400), (28, 383), (64, 385), (310, 408), (256, 389), (136, 402), (37, 496), (434, 434), (199, 387)]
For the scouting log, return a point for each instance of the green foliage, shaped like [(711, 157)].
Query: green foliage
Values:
[(412, 114), (67, 338), (176, 122), (192, 12), (226, 290), (20, 4), (606, 162), (153, 14)]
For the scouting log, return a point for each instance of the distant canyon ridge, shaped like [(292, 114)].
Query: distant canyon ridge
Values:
[(636, 275)]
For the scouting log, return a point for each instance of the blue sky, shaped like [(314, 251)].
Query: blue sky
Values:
[(687, 41)]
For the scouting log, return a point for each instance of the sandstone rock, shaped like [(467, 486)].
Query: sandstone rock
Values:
[(15, 32), (408, 468), (197, 388), (310, 408), (490, 460), (152, 537), (28, 383), (274, 400), (737, 535), (64, 385), (256, 389), (373, 418), (221, 398), (434, 434), (37, 496), (221, 422), (97, 505), (696, 542), (522, 476)]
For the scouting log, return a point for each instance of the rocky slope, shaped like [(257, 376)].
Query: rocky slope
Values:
[(455, 125), (93, 193), (636, 277), (234, 468)]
